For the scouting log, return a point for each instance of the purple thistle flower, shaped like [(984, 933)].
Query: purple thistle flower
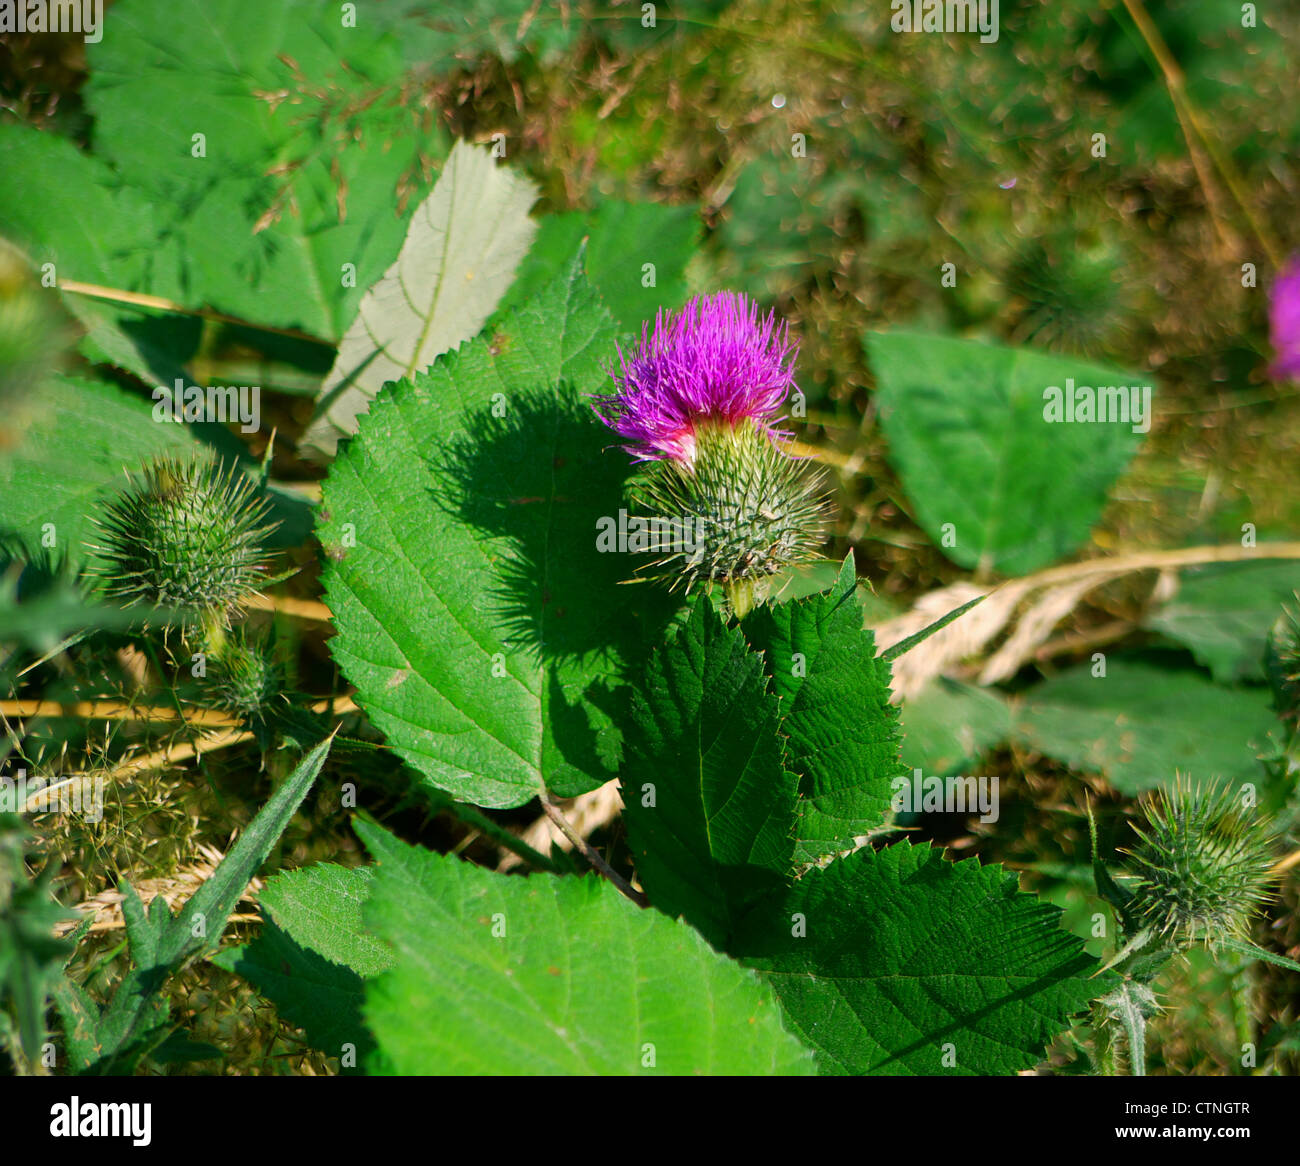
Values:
[(714, 361), (1284, 321)]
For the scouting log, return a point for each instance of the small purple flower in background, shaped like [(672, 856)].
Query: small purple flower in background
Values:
[(714, 361), (1284, 321)]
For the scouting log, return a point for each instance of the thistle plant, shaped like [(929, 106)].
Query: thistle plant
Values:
[(698, 402), (187, 535), (1200, 873), (1282, 663), (246, 677)]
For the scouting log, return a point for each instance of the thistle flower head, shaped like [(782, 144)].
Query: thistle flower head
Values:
[(188, 535), (716, 361), (1202, 865), (697, 402), (1284, 321)]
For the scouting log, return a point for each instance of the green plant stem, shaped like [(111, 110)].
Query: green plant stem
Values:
[(1103, 1041)]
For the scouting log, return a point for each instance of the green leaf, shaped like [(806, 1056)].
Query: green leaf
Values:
[(552, 975), (460, 254), (216, 898), (1223, 613), (313, 956), (967, 430), (482, 627), (1139, 724), (842, 732), (622, 237), (709, 805), (62, 469), (310, 146), (320, 908), (898, 962), (947, 725), (322, 998), (135, 1020)]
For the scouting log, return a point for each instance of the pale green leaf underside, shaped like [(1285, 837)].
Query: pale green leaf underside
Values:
[(497, 974), (461, 250)]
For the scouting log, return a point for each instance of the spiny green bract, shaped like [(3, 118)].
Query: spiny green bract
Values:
[(1202, 866), (751, 509), (189, 535), (1282, 662)]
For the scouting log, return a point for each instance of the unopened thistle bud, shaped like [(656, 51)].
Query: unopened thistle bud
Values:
[(1202, 868), (1282, 662), (246, 678), (697, 402), (188, 536)]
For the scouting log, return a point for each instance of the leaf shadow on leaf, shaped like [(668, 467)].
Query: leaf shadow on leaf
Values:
[(536, 482)]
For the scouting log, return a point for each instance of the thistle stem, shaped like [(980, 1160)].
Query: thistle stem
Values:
[(740, 597)]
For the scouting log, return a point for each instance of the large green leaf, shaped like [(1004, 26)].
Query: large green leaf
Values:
[(968, 434), (899, 962), (309, 144), (459, 256), (843, 737), (1223, 614), (497, 974), (708, 801), (1140, 723), (479, 622)]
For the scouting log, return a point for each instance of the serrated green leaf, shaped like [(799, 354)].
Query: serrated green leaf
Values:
[(213, 902), (460, 254), (965, 423), (898, 962), (321, 997), (476, 617), (1139, 724), (709, 803), (319, 907), (842, 732), (552, 975)]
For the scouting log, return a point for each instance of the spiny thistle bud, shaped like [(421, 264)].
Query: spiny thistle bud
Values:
[(697, 401), (1282, 662), (245, 677), (1202, 868), (188, 536)]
